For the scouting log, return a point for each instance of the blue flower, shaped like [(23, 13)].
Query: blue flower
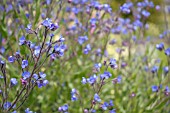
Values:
[(105, 105), (167, 52), (105, 75), (63, 108), (59, 49), (167, 89), (111, 103), (93, 110), (35, 76), (26, 74), (1, 77), (166, 69), (145, 13), (125, 8), (113, 41), (22, 40), (53, 27), (154, 69), (87, 49), (28, 29), (98, 65), (84, 80), (112, 111), (82, 39), (107, 8), (75, 10), (92, 79), (39, 84), (28, 110), (119, 79), (42, 75), (113, 63), (45, 82), (160, 46), (11, 59), (7, 105), (93, 22), (61, 39), (13, 81), (47, 22), (97, 98), (2, 49), (24, 63), (73, 95), (155, 88), (37, 51), (14, 112)]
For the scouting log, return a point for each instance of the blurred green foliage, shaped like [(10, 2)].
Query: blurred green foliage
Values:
[(66, 73)]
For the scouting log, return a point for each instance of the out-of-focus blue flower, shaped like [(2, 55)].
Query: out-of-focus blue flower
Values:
[(167, 52), (24, 63), (157, 7), (14, 112), (154, 69), (84, 80), (155, 88), (37, 51), (113, 63), (75, 10), (160, 46), (113, 41), (39, 84), (167, 89), (28, 110), (82, 39), (7, 105), (93, 111), (9, 8), (13, 81), (26, 74), (93, 22), (125, 8), (145, 13), (87, 49), (97, 98), (2, 50), (28, 29), (35, 76), (166, 69), (59, 49), (107, 8), (22, 40), (45, 82), (104, 105), (11, 59), (105, 75), (63, 108), (112, 111), (47, 22), (61, 39), (97, 67), (111, 103), (92, 79), (1, 77), (73, 95), (48, 2), (53, 27), (42, 75), (119, 79)]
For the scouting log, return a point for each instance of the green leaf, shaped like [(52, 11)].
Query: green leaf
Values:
[(37, 11)]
